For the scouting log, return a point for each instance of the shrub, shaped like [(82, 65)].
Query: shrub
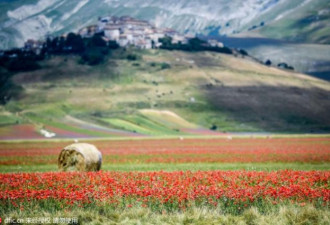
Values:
[(213, 127), (132, 57), (153, 64), (74, 43), (165, 66), (8, 89), (243, 52), (268, 62), (113, 45)]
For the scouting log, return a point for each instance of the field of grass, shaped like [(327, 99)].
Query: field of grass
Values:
[(279, 215), (301, 25), (228, 93), (140, 171)]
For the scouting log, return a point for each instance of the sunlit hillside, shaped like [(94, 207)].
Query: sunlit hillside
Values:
[(164, 93)]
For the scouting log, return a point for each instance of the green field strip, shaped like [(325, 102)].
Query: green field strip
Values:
[(169, 137), (177, 167), (67, 127), (127, 125), (152, 125), (6, 120), (167, 118)]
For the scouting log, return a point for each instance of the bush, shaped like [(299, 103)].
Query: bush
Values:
[(165, 66), (268, 62), (285, 66), (97, 41), (74, 43), (213, 127), (132, 57), (8, 89), (113, 45), (243, 52), (153, 64)]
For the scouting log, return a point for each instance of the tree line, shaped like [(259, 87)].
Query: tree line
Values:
[(193, 45)]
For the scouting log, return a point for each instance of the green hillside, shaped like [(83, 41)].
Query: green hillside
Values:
[(308, 24), (193, 93)]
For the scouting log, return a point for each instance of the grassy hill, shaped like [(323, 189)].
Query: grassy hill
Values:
[(191, 94), (309, 24), (295, 21)]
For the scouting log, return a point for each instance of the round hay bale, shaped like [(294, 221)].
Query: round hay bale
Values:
[(80, 157)]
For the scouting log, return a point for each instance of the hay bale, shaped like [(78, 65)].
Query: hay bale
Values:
[(80, 157)]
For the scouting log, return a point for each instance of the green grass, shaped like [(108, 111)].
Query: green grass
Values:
[(6, 120), (127, 125), (152, 125), (177, 167), (167, 118), (119, 90), (143, 124), (283, 214), (299, 25)]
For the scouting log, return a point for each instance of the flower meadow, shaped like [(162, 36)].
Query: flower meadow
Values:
[(233, 191), (172, 181), (221, 150)]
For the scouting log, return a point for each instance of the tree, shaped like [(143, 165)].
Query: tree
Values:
[(8, 89), (284, 65), (243, 52), (165, 66), (166, 42), (97, 41), (268, 62), (74, 43), (213, 127), (113, 45), (196, 44)]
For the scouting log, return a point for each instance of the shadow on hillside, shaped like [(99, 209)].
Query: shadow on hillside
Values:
[(271, 108)]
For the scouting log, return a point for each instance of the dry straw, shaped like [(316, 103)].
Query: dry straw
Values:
[(80, 157)]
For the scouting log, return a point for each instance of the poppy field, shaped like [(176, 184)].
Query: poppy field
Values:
[(174, 151), (166, 190), (160, 190)]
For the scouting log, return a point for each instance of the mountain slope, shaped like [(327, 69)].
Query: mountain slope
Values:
[(309, 24), (37, 18), (198, 92)]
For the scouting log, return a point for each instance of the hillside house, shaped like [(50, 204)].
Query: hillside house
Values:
[(113, 33), (215, 43), (34, 46), (89, 31)]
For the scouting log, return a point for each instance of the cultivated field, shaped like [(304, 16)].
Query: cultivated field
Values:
[(219, 180), (199, 91)]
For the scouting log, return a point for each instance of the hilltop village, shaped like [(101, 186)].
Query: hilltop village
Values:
[(127, 31), (93, 42)]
